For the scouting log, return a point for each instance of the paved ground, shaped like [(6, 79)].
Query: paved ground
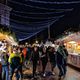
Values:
[(71, 74)]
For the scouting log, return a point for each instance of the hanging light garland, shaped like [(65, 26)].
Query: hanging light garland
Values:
[(37, 7), (48, 2)]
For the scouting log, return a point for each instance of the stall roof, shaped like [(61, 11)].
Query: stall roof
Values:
[(8, 38), (30, 17)]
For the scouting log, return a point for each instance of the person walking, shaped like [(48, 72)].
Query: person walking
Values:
[(35, 59), (15, 62), (62, 59), (44, 60), (4, 62), (52, 58)]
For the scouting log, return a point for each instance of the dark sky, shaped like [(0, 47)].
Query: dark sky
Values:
[(30, 17)]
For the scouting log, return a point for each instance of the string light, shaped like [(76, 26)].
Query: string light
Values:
[(31, 35), (35, 17), (37, 7), (28, 30), (26, 22), (48, 2), (34, 33), (41, 24), (36, 23), (58, 12), (21, 22), (18, 31), (39, 27), (38, 31)]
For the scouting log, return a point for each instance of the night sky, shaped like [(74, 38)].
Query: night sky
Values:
[(31, 18)]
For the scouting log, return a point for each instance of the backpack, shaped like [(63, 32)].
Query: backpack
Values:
[(15, 61)]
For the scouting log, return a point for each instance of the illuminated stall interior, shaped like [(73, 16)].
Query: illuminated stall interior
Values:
[(72, 43), (9, 39)]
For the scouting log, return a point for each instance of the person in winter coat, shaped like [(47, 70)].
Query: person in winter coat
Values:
[(24, 51), (4, 62), (44, 59), (61, 60), (15, 61), (52, 58), (35, 59)]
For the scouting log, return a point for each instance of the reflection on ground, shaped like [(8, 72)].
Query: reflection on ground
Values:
[(71, 74)]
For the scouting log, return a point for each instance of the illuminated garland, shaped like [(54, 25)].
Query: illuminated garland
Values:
[(57, 12), (35, 17), (37, 7), (29, 36), (48, 2)]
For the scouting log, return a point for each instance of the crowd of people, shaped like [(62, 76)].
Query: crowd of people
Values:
[(56, 57), (11, 63)]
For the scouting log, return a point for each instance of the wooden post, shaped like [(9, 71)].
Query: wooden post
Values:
[(48, 32)]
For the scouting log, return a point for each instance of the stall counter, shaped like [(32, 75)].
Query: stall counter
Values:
[(74, 59)]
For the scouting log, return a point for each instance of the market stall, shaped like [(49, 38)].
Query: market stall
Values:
[(9, 40), (72, 43)]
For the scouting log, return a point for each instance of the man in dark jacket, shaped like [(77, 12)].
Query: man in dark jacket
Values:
[(35, 59), (44, 59), (52, 58), (62, 59)]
